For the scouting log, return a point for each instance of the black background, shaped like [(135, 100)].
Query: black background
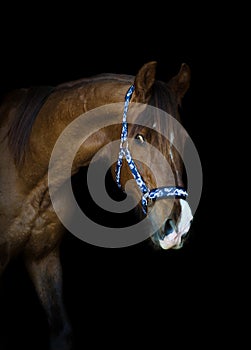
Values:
[(136, 295)]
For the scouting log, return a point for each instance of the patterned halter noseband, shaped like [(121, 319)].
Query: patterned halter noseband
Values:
[(154, 194)]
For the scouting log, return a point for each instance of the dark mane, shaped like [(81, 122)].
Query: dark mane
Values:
[(19, 132)]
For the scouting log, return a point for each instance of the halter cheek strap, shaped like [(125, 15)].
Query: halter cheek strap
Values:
[(124, 152)]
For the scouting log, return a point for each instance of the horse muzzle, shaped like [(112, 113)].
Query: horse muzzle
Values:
[(170, 237), (171, 234)]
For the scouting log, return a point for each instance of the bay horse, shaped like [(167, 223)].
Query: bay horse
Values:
[(32, 120)]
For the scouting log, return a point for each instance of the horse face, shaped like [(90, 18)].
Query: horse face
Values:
[(161, 164)]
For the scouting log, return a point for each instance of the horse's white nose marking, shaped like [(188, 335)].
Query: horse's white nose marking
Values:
[(182, 227), (185, 218), (169, 241)]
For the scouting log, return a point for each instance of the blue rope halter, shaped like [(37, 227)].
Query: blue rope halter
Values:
[(154, 194)]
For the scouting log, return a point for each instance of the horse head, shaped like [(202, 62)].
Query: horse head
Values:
[(154, 151)]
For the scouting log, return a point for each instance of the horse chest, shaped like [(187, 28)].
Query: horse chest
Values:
[(45, 229), (32, 224)]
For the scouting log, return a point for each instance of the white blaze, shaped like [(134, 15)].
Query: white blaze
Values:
[(171, 145)]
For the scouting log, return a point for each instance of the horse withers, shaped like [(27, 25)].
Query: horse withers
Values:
[(32, 120)]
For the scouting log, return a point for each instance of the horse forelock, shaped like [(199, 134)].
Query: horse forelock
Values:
[(162, 133), (162, 99)]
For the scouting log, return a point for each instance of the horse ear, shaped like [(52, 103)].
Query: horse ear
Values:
[(144, 81), (181, 82)]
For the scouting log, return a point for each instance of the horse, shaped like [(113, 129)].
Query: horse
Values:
[(32, 120)]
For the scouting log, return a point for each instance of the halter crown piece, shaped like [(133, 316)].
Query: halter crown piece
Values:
[(124, 152)]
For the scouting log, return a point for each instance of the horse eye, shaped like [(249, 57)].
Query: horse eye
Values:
[(140, 138)]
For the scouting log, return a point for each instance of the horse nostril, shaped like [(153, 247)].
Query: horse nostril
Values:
[(169, 227)]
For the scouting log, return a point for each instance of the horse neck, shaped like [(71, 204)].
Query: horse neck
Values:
[(103, 103), (64, 107)]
